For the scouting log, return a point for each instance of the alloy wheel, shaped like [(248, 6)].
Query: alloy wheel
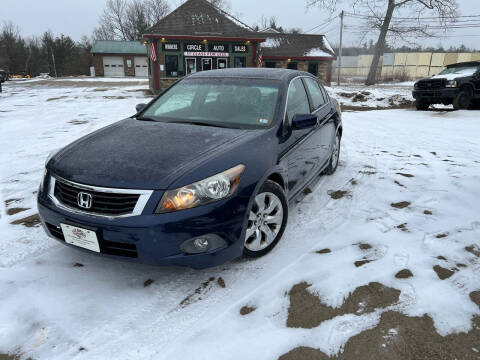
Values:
[(264, 221), (336, 152)]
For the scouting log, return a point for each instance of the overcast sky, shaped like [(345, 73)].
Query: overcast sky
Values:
[(79, 17)]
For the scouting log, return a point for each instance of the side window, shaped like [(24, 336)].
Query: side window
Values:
[(325, 94), (315, 92), (297, 99)]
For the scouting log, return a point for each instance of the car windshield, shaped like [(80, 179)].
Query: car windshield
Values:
[(235, 103), (462, 70)]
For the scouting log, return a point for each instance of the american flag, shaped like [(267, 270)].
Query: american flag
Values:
[(260, 56), (153, 53)]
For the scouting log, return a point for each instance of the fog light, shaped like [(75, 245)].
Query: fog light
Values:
[(202, 244)]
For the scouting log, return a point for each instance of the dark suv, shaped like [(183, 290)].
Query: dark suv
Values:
[(458, 84)]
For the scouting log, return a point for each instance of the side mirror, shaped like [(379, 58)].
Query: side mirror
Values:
[(140, 107), (304, 121)]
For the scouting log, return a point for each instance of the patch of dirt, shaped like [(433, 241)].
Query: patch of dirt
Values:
[(29, 221), (148, 282), (323, 251), (367, 172), (400, 205), (245, 310), (190, 298), (369, 166), (99, 89), (119, 97), (404, 274), (9, 201), (399, 337), (461, 265), (475, 297), (353, 182), (57, 98), (433, 153), (402, 227), (362, 262), (428, 212), (419, 156), (443, 273), (398, 183), (307, 310), (473, 249), (78, 122), (335, 195), (440, 236), (364, 246), (440, 257), (405, 175), (78, 265), (16, 210), (9, 357), (346, 95), (307, 191), (221, 282)]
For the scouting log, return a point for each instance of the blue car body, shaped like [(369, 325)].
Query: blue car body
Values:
[(152, 157)]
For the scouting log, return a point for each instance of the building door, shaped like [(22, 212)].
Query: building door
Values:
[(221, 63), (190, 65), (141, 66), (113, 66), (206, 64)]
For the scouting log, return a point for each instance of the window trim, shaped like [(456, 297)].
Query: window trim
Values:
[(286, 121), (322, 93)]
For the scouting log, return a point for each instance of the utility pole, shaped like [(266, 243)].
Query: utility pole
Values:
[(54, 66), (339, 70)]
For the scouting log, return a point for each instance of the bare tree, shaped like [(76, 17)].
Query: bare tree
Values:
[(128, 20), (409, 22)]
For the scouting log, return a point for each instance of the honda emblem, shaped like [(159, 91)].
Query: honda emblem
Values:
[(84, 200)]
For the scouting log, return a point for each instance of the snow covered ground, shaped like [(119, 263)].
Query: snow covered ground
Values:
[(396, 230)]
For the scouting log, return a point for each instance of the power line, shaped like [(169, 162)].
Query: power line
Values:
[(410, 18), (329, 21)]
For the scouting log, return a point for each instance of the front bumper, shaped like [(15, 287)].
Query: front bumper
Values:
[(156, 238), (433, 96)]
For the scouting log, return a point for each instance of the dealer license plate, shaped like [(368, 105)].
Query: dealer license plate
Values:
[(83, 238)]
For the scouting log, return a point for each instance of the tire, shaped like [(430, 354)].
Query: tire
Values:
[(332, 165), (463, 100), (264, 227), (422, 105)]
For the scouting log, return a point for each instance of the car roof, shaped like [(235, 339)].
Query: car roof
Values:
[(466, 63), (252, 73)]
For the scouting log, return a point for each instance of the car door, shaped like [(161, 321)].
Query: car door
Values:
[(298, 149), (321, 107)]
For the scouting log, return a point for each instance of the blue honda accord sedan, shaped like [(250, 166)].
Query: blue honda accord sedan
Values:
[(201, 175)]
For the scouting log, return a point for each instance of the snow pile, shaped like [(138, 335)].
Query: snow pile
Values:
[(372, 97), (406, 198), (272, 43)]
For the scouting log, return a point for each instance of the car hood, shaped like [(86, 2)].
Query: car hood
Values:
[(135, 154)]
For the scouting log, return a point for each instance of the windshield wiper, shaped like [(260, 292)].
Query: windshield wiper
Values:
[(201, 123), (146, 118)]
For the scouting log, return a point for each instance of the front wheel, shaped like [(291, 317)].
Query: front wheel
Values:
[(422, 105), (266, 221), (462, 101), (332, 165)]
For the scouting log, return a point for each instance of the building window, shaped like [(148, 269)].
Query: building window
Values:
[(292, 65), (240, 62), (313, 68), (270, 64), (171, 65)]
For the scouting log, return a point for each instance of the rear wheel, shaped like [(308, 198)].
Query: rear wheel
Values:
[(332, 165), (463, 100), (422, 105), (266, 221)]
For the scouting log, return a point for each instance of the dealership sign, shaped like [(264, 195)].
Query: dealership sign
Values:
[(205, 54)]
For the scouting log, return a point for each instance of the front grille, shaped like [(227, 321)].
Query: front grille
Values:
[(106, 203), (106, 247), (431, 84)]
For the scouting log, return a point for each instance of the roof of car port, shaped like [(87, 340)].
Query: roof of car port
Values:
[(258, 73)]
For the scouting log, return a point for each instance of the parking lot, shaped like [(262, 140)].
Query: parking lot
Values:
[(386, 251)]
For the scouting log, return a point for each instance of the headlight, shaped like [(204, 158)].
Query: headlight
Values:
[(44, 178), (451, 84), (211, 189)]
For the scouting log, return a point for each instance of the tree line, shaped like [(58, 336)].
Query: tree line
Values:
[(55, 55)]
